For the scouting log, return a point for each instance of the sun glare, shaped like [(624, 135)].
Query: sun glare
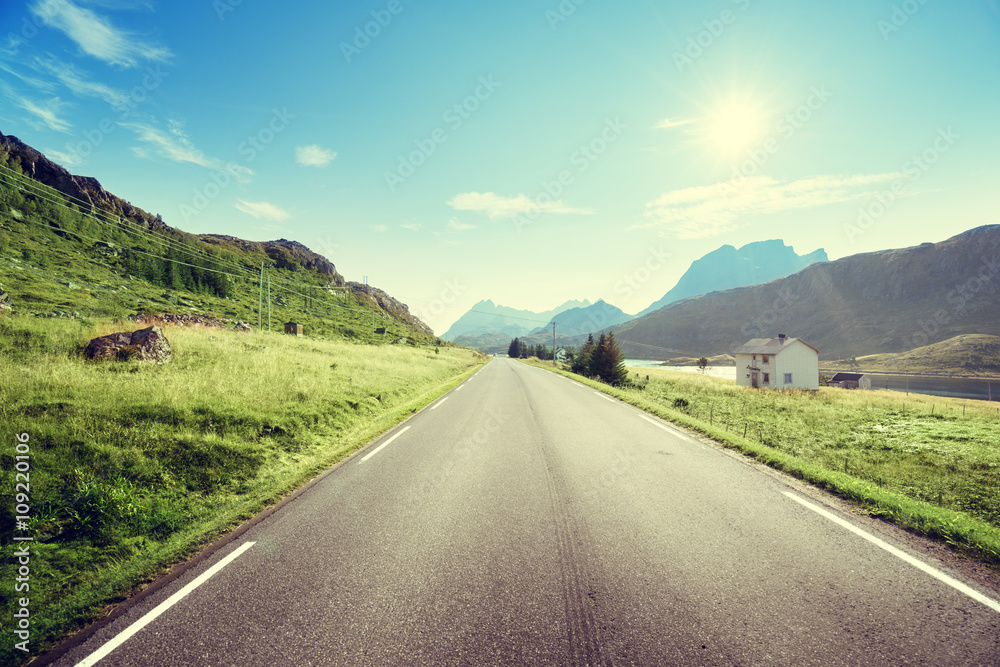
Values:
[(735, 127)]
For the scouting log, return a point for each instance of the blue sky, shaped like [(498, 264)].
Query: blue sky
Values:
[(525, 152)]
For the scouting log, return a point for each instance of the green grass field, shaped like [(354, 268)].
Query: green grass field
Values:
[(928, 463), (134, 467)]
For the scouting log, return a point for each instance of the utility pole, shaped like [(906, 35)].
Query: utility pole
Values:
[(553, 343), (269, 304), (260, 300)]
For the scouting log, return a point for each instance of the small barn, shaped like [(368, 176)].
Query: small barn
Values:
[(777, 363), (293, 328), (850, 381)]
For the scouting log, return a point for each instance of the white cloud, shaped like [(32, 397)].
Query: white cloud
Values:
[(70, 159), (70, 77), (96, 36), (496, 206), (175, 145), (708, 210), (457, 225), (379, 229), (666, 123), (262, 209), (412, 226), (48, 112), (314, 156)]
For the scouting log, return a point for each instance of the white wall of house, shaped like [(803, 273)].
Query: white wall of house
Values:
[(801, 362)]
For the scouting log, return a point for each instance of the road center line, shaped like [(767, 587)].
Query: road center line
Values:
[(377, 449), (920, 565), (124, 636)]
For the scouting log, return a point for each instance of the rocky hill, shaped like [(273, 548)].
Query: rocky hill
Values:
[(729, 267), (888, 301), (90, 248)]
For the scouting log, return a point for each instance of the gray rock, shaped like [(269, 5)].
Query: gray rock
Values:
[(147, 345)]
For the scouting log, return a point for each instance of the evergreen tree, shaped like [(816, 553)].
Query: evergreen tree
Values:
[(514, 349), (581, 362), (607, 361)]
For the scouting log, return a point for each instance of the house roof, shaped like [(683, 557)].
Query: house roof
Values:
[(847, 377), (769, 346)]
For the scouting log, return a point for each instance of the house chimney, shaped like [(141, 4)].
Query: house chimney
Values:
[(781, 339)]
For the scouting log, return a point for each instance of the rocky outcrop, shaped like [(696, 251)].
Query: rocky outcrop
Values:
[(391, 306), (4, 300), (284, 253), (147, 345), (179, 319), (85, 191)]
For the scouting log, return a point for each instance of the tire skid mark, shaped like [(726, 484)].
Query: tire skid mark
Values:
[(584, 632)]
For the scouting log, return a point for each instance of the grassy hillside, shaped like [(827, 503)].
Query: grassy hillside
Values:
[(132, 467), (969, 354), (100, 257)]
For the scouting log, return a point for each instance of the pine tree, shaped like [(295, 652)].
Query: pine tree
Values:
[(607, 361), (581, 362), (514, 349)]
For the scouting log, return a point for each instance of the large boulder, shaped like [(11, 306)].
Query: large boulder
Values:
[(148, 345)]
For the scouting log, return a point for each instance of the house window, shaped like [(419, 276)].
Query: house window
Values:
[(767, 378), (754, 358), (765, 358), (788, 378)]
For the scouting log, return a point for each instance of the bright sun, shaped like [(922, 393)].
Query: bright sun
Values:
[(735, 127)]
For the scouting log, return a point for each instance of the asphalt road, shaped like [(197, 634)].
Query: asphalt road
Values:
[(525, 519)]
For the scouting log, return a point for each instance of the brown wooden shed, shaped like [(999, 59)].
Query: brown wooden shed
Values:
[(293, 328)]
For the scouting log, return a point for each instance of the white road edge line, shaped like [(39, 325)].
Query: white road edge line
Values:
[(606, 398), (124, 636), (920, 565), (377, 449), (434, 407), (673, 431), (459, 387)]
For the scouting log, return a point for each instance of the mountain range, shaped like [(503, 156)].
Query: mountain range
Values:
[(489, 319), (887, 301)]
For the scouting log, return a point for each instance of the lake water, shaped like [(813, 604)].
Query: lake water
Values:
[(975, 388)]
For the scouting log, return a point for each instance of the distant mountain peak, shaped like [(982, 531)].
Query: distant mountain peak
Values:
[(727, 267)]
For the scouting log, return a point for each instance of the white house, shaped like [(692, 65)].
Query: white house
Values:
[(777, 363)]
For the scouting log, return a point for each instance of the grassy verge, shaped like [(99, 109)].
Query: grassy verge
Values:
[(134, 467), (929, 464)]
